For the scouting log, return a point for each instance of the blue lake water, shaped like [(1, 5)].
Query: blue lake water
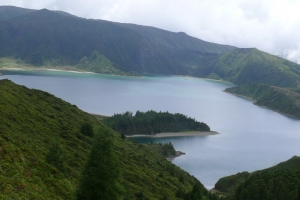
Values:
[(251, 137)]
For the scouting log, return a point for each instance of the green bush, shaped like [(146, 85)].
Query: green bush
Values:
[(55, 157), (87, 129)]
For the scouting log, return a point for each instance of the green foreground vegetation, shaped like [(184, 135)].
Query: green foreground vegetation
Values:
[(281, 181), (45, 144), (152, 122)]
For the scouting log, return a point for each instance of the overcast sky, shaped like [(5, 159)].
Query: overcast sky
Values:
[(269, 25)]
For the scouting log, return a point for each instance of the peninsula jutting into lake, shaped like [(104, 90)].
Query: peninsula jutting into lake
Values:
[(153, 123)]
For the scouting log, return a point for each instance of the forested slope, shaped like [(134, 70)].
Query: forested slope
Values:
[(281, 181)]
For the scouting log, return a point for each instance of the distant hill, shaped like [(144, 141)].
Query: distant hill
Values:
[(278, 182), (34, 123), (272, 81), (242, 66), (43, 37), (276, 98)]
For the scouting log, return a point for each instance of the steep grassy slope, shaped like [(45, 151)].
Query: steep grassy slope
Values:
[(46, 36), (33, 121), (188, 51), (179, 41), (276, 98), (281, 180), (241, 66)]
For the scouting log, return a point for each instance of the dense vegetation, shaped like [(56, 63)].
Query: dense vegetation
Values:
[(42, 149), (152, 122), (166, 149), (101, 175), (276, 98), (281, 181), (43, 152), (229, 184), (100, 64), (270, 185)]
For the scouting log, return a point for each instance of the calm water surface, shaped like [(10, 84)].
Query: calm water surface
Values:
[(251, 137)]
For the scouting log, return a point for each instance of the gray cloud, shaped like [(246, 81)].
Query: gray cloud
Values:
[(269, 25)]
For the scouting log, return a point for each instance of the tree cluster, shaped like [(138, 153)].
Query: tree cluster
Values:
[(166, 149), (101, 175), (281, 184), (198, 192), (152, 122)]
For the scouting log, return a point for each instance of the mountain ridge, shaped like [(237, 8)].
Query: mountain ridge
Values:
[(59, 39)]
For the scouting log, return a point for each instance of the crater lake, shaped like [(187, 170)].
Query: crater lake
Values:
[(250, 138)]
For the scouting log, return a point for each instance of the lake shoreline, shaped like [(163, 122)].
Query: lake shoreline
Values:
[(176, 134), (75, 70), (254, 103), (61, 69)]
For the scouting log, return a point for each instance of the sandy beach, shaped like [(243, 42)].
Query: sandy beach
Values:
[(61, 69), (177, 134)]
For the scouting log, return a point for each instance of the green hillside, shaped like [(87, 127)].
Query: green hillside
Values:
[(226, 186), (281, 181), (279, 99), (100, 64), (242, 66), (188, 51), (54, 38), (35, 123), (291, 164), (179, 41)]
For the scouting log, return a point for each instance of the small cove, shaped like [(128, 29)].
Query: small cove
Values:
[(250, 138)]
